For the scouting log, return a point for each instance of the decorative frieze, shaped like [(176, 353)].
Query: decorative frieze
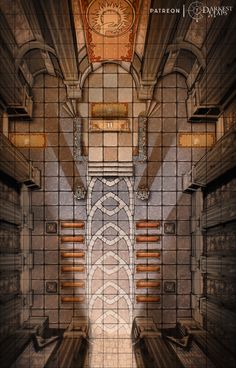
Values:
[(109, 125)]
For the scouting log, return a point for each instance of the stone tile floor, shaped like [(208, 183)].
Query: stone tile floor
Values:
[(111, 352)]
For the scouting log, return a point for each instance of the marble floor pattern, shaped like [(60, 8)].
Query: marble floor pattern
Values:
[(110, 272)]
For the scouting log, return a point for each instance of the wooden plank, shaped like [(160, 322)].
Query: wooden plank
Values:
[(148, 224), (141, 284), (147, 299), (72, 224), (72, 269), (72, 299), (72, 239), (147, 238), (147, 254), (147, 268), (69, 284), (72, 254)]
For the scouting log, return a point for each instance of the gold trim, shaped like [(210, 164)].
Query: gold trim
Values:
[(196, 140), (26, 140), (109, 110), (109, 125)]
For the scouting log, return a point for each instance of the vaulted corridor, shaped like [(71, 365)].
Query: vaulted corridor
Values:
[(117, 184)]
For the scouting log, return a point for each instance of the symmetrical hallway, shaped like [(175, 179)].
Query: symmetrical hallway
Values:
[(117, 184)]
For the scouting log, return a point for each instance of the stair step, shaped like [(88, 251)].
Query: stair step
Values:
[(94, 169), (108, 173), (110, 164)]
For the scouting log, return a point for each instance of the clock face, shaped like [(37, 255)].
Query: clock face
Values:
[(110, 18)]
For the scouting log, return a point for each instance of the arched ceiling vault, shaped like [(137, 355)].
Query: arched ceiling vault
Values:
[(70, 38)]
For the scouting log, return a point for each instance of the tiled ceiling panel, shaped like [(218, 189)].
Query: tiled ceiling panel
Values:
[(110, 28)]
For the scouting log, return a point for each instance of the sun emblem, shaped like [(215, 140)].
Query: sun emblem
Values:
[(110, 19)]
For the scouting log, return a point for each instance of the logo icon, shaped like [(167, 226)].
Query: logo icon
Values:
[(196, 10)]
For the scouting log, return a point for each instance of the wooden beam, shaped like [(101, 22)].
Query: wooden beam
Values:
[(148, 254), (72, 254), (147, 268), (148, 224), (72, 239), (69, 284), (72, 224), (72, 299), (72, 269), (147, 238), (141, 284), (147, 299)]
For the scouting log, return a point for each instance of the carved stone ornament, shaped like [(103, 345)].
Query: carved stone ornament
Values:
[(80, 192), (71, 108), (142, 139), (78, 140), (143, 193)]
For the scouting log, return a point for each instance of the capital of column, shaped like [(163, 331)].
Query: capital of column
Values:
[(146, 89), (73, 89)]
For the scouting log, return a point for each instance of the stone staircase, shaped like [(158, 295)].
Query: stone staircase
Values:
[(118, 169)]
